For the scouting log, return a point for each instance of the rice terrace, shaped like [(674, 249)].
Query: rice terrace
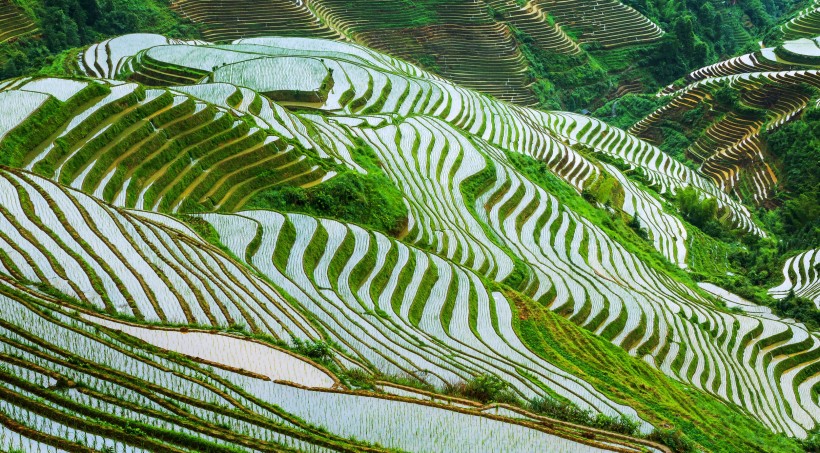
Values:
[(409, 226)]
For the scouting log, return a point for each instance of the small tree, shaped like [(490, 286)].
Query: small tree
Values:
[(635, 224)]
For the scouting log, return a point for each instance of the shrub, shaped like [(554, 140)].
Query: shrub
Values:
[(621, 424), (811, 444), (560, 410), (701, 213), (317, 350), (484, 388), (635, 224), (568, 412), (672, 438)]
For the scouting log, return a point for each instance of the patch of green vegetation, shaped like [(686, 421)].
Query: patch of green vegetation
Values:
[(316, 350), (628, 109), (371, 200), (698, 33), (796, 222), (812, 443), (751, 264), (700, 212), (563, 82), (702, 32)]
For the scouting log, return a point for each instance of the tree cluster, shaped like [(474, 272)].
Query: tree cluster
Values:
[(66, 24)]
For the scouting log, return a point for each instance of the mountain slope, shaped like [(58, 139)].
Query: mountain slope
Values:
[(470, 43), (513, 215), (729, 105)]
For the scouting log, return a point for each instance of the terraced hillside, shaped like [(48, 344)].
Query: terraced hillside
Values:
[(70, 380), (801, 275), (609, 23), (14, 23), (144, 193), (734, 103), (473, 43), (232, 20), (805, 24)]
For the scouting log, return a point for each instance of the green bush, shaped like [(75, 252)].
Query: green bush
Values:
[(561, 410), (627, 110), (694, 210), (317, 350), (66, 24), (672, 438), (635, 224), (811, 444), (485, 388)]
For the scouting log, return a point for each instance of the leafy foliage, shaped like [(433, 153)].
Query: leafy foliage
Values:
[(317, 350), (629, 379), (800, 308), (812, 443), (627, 110), (797, 146), (701, 213)]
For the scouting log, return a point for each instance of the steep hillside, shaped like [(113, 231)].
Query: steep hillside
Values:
[(472, 43), (386, 222), (179, 390), (567, 55), (726, 107)]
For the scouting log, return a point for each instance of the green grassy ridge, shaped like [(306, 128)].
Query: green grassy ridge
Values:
[(151, 136), (18, 144)]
